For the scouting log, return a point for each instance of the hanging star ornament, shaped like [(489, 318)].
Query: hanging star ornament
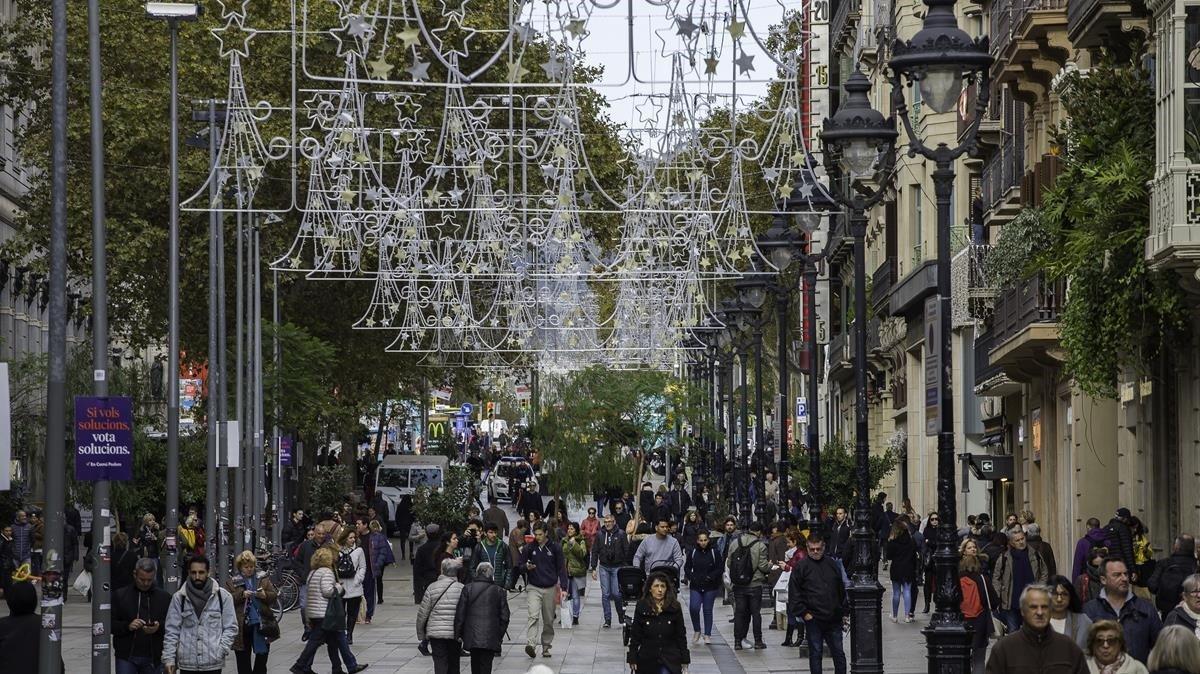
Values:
[(409, 37), (233, 37), (736, 29), (710, 65), (380, 68), (577, 28), (685, 27), (745, 63), (419, 70), (516, 71), (553, 67)]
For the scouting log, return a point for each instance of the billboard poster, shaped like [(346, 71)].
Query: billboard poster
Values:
[(285, 451), (103, 438)]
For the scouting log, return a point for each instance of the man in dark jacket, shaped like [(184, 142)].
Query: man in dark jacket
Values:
[(646, 505), (839, 534), (425, 567), (1119, 539), (817, 595), (1094, 538), (139, 612), (545, 569), (1033, 537), (21, 631), (678, 501), (482, 617), (608, 555), (1140, 623), (1167, 580), (1036, 648)]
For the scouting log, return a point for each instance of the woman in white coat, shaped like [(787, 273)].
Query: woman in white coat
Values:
[(351, 556)]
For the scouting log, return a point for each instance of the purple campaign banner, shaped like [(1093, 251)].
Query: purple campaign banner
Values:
[(285, 451), (103, 438)]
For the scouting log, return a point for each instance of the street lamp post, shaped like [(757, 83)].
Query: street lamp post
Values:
[(937, 60), (751, 289), (173, 13), (860, 141)]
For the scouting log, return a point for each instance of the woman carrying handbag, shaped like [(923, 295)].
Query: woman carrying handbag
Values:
[(253, 594), (978, 597)]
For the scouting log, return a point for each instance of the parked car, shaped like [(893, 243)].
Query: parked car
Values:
[(509, 471)]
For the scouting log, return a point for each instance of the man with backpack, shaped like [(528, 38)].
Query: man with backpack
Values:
[(201, 623), (748, 567)]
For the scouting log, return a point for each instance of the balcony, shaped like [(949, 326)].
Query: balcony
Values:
[(1030, 45), (972, 297), (987, 376), (1174, 240), (843, 29), (1091, 22), (1025, 327), (882, 282), (1002, 175), (840, 367), (908, 298)]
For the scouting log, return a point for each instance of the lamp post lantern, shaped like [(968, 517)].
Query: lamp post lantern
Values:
[(859, 143), (937, 60)]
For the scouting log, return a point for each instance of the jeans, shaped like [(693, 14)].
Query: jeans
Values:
[(352, 606), (138, 665), (446, 655), (317, 637), (982, 624), (821, 634), (540, 603), (609, 589), (369, 595), (379, 587), (481, 661), (702, 599), (902, 590), (747, 610), (575, 589), (343, 647)]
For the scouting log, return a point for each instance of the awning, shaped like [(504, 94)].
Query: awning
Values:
[(991, 466)]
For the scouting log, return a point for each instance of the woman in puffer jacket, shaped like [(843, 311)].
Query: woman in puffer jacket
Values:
[(321, 587), (482, 618), (436, 616)]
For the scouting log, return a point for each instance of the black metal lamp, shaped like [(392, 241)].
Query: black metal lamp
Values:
[(858, 133), (940, 56)]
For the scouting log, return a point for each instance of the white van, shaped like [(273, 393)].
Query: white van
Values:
[(401, 475)]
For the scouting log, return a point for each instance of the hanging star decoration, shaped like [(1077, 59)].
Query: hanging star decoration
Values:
[(685, 27), (357, 26), (419, 70), (577, 28), (745, 63), (516, 71), (649, 109), (736, 29), (409, 37), (710, 65), (380, 68), (553, 67)]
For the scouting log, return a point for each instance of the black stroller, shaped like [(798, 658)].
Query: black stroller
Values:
[(631, 581)]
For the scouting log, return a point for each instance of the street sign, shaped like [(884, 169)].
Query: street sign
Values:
[(822, 331), (466, 409), (802, 410), (987, 465), (103, 438), (933, 365), (285, 451)]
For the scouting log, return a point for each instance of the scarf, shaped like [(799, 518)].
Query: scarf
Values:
[(1114, 667), (1194, 616), (253, 617), (199, 597)]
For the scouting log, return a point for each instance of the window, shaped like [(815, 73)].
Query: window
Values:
[(916, 225), (396, 478), (1191, 84), (426, 477)]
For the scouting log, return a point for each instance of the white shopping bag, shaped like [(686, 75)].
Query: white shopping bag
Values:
[(564, 615), (83, 583)]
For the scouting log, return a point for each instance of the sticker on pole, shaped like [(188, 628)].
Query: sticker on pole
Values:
[(103, 438)]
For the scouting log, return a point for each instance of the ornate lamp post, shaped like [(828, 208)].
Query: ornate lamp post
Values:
[(752, 295), (937, 60), (859, 142), (736, 322)]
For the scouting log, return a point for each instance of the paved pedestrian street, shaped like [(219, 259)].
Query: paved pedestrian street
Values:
[(389, 643)]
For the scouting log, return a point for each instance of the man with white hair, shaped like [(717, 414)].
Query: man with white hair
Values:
[(1016, 569), (1036, 648), (1033, 536)]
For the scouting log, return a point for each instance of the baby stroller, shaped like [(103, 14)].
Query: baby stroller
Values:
[(631, 582)]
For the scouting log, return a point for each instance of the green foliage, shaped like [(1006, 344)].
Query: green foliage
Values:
[(1021, 244), (446, 507), (597, 414), (838, 471), (1118, 314), (327, 488), (304, 380)]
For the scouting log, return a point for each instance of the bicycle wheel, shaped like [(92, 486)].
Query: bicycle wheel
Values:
[(289, 592)]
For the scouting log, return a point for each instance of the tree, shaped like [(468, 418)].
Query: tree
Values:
[(446, 506), (327, 489), (838, 471)]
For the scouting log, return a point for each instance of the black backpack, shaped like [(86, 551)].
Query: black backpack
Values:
[(741, 564), (345, 566)]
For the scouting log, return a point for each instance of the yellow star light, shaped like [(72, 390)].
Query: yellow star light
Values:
[(561, 152), (380, 68), (785, 191), (516, 71), (409, 37), (737, 29)]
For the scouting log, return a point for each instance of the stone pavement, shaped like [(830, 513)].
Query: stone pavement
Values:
[(389, 644)]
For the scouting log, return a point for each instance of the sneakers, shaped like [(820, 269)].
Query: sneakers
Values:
[(545, 651), (574, 620), (908, 618), (895, 619), (707, 639), (608, 624), (530, 650), (696, 639)]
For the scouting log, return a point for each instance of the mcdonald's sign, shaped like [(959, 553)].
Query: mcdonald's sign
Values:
[(437, 429)]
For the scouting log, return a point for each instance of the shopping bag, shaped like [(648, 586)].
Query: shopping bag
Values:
[(83, 583)]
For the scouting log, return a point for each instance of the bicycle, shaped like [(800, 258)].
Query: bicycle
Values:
[(279, 568)]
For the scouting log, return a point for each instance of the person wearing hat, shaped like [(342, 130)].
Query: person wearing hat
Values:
[(21, 631), (1120, 539), (425, 562)]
